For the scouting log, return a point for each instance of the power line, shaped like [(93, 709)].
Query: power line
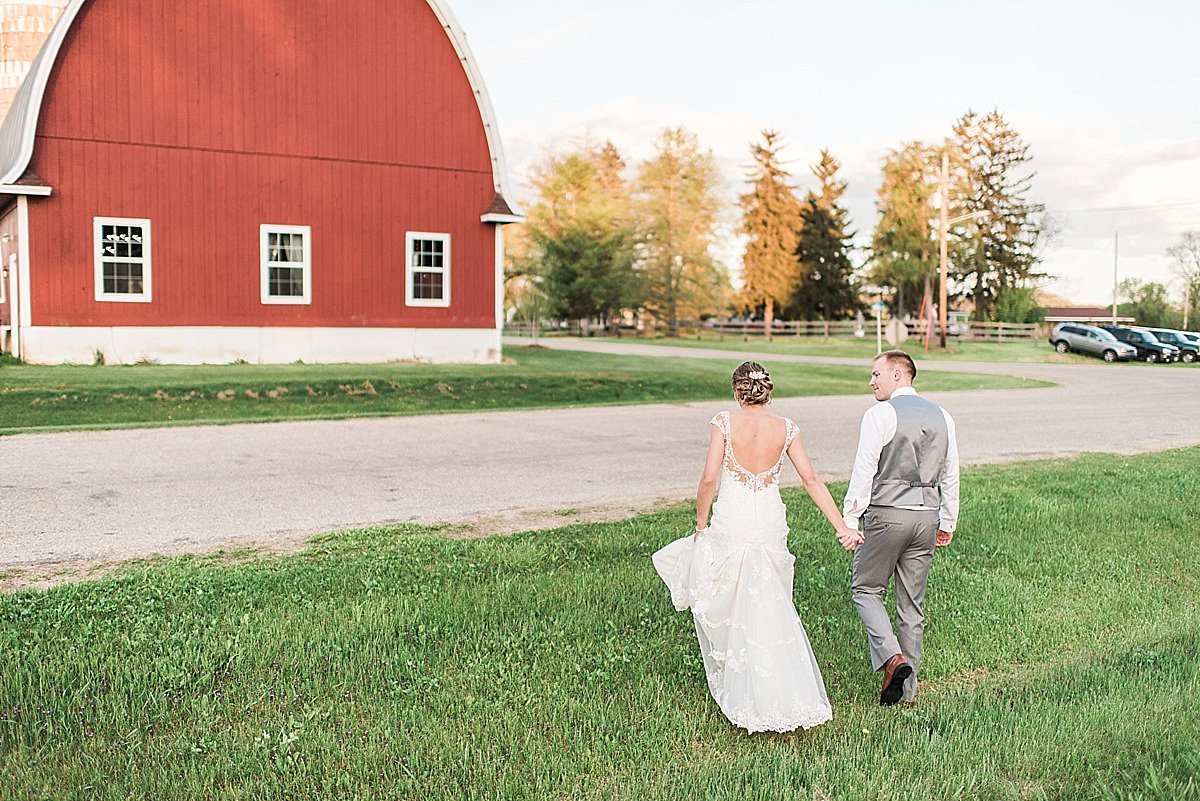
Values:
[(1128, 208)]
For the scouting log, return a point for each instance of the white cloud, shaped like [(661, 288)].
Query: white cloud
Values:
[(1103, 96)]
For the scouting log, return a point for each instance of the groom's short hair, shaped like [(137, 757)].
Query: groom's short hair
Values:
[(899, 360)]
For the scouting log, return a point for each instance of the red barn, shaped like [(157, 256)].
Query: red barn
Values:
[(287, 179)]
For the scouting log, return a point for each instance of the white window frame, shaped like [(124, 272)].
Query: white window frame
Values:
[(409, 300), (268, 299), (146, 296)]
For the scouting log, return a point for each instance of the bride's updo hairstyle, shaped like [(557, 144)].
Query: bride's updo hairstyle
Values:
[(751, 384)]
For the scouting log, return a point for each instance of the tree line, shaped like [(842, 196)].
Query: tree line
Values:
[(605, 240), (1151, 303), (597, 242)]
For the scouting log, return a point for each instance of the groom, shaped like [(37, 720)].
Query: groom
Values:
[(905, 490)]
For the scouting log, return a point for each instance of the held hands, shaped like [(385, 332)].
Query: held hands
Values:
[(944, 538), (849, 538)]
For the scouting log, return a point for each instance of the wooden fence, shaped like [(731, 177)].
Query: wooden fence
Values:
[(990, 332)]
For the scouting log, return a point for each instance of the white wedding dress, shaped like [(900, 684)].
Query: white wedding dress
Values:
[(737, 580)]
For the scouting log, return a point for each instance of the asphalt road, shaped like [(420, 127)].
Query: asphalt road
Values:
[(99, 496)]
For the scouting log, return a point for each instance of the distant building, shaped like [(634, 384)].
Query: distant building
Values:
[(267, 181), (1083, 314)]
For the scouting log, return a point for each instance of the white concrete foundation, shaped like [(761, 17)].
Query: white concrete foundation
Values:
[(221, 345)]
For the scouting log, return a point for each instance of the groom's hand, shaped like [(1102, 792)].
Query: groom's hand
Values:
[(944, 538), (849, 538)]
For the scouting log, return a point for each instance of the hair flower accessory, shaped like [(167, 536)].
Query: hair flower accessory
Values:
[(758, 375)]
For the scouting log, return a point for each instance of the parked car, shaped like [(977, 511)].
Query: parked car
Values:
[(1082, 338), (1189, 349), (1148, 347)]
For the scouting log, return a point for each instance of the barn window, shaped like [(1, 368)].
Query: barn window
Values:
[(427, 275), (122, 259), (286, 264)]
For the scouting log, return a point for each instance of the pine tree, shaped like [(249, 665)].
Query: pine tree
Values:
[(832, 188), (676, 209), (827, 288), (1000, 250), (770, 219)]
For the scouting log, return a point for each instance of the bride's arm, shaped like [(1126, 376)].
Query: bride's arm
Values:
[(708, 480), (817, 490)]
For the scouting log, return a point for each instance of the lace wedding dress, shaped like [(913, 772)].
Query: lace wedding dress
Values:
[(737, 580)]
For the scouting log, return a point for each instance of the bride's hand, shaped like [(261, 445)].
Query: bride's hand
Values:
[(696, 534), (849, 538)]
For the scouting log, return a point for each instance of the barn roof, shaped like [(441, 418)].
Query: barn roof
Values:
[(19, 130)]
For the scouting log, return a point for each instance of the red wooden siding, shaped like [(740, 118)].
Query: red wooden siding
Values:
[(354, 117)]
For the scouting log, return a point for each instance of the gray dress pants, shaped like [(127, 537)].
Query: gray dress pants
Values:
[(900, 543)]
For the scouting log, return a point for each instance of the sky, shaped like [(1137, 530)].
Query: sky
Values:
[(1105, 93)]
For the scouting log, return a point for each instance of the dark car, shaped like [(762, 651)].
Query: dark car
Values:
[(1189, 349), (1147, 346)]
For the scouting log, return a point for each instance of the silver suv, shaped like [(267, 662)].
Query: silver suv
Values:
[(1067, 337)]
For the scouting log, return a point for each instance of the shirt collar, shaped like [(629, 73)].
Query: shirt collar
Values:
[(903, 391)]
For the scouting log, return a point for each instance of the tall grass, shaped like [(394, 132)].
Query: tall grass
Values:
[(1061, 662)]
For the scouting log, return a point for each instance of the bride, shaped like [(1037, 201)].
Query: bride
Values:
[(736, 573)]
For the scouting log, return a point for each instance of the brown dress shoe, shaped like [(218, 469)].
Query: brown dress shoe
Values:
[(895, 672)]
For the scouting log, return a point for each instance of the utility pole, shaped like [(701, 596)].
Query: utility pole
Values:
[(943, 245), (1116, 244)]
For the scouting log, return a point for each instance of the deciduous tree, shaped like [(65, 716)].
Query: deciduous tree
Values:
[(1147, 303), (1185, 265), (676, 208), (580, 234), (904, 254)]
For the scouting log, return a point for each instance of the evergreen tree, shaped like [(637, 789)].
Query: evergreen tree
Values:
[(770, 219), (588, 274), (827, 288), (676, 209), (832, 187), (1000, 249)]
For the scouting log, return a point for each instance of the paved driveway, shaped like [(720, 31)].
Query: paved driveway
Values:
[(117, 494)]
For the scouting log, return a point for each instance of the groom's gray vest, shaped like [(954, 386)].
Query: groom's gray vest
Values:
[(911, 465)]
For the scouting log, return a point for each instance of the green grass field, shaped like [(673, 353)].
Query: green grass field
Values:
[(36, 398), (1019, 352), (1062, 662)]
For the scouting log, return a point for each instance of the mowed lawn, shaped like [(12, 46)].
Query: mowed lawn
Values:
[(1016, 352), (1062, 662), (47, 398)]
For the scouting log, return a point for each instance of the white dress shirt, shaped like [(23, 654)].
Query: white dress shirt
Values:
[(878, 429)]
